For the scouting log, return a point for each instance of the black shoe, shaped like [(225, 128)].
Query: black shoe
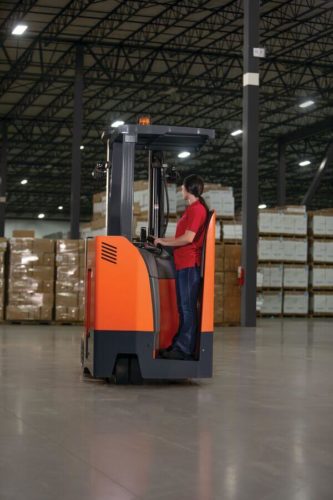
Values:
[(163, 351), (176, 355)]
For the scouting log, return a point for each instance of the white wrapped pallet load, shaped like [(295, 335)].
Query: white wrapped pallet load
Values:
[(231, 231), (322, 303), (300, 223), (295, 276), (272, 275), (260, 279), (300, 250), (321, 277), (322, 251), (296, 303), (271, 303), (221, 200), (321, 225)]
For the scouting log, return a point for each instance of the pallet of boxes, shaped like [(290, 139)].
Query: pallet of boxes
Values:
[(97, 225), (70, 284), (321, 262), (30, 278), (3, 248), (282, 262)]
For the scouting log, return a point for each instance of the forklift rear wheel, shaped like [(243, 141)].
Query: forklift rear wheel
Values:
[(135, 372), (122, 370)]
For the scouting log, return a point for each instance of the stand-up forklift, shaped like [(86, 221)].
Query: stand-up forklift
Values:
[(131, 306)]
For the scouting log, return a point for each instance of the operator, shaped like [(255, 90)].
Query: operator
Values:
[(187, 249)]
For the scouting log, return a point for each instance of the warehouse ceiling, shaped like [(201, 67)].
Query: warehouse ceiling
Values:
[(181, 62)]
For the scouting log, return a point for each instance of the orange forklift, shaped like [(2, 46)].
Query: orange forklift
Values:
[(131, 305)]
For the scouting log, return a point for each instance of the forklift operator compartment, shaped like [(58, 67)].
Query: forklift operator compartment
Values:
[(131, 302)]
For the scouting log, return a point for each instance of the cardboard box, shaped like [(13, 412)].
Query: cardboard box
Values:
[(97, 197), (68, 259), (322, 251), (65, 272), (296, 303), (98, 223), (272, 275), (42, 273), (3, 244), (31, 298), (227, 257), (30, 258), (21, 233), (295, 276), (231, 231), (22, 312), (63, 313), (227, 305), (43, 246), (321, 277), (67, 299), (322, 303), (70, 285), (321, 224), (21, 244), (271, 302), (221, 200), (30, 284), (68, 246)]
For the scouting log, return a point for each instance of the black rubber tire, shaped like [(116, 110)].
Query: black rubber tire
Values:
[(135, 372), (122, 370)]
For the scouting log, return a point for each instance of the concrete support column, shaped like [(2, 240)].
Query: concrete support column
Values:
[(250, 161)]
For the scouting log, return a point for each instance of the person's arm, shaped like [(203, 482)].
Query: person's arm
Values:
[(181, 241)]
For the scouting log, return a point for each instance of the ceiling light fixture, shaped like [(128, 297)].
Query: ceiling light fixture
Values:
[(24, 181), (262, 206), (236, 132), (60, 207), (117, 123), (306, 104), (19, 29), (41, 216), (184, 154), (304, 163)]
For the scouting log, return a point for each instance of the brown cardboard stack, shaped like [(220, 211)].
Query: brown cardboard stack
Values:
[(69, 280), (3, 248), (227, 288), (30, 279)]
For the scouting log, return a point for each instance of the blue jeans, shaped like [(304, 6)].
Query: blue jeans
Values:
[(187, 286)]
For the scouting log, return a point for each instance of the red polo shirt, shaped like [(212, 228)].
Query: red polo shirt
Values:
[(193, 219)]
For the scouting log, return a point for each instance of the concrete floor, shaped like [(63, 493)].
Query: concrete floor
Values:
[(262, 429)]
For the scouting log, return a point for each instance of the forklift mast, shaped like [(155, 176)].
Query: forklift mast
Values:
[(121, 145)]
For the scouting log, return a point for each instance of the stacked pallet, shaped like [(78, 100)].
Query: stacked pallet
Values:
[(321, 262), (70, 271), (282, 261), (3, 248), (227, 288), (31, 279)]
